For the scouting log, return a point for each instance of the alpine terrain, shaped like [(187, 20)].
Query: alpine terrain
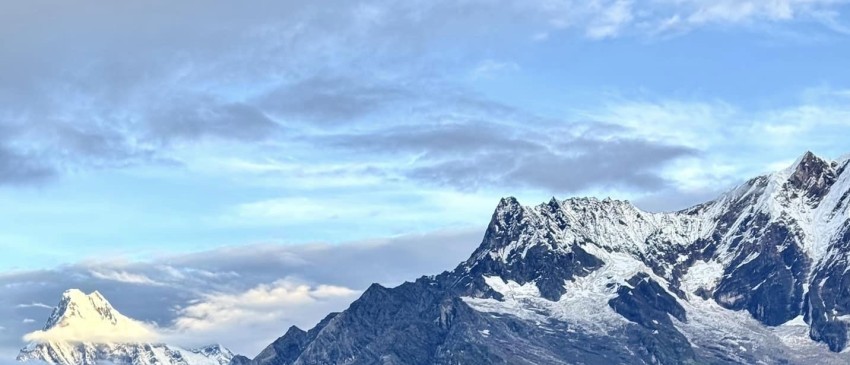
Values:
[(758, 275), (86, 329)]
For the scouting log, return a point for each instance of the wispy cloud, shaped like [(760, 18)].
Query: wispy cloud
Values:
[(35, 305), (74, 114), (490, 68), (472, 154), (123, 277)]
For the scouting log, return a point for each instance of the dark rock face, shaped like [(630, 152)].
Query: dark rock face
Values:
[(417, 323), (812, 178), (766, 278), (286, 349), (829, 298), (542, 266), (647, 304), (775, 258)]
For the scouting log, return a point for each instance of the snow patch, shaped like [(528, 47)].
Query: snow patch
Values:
[(702, 275)]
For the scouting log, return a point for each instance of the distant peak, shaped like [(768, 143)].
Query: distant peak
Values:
[(78, 306), (212, 350)]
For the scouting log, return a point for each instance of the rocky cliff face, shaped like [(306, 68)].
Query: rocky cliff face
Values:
[(757, 275)]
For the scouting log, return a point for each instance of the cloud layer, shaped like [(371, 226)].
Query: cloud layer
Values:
[(138, 84), (243, 297)]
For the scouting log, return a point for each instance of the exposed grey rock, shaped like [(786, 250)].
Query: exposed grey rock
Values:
[(587, 281)]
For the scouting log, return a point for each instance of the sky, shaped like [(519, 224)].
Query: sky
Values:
[(186, 157)]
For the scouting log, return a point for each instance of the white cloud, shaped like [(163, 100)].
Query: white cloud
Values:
[(28, 320), (692, 123), (84, 329), (266, 308), (434, 206), (123, 276), (540, 36), (34, 305), (734, 142), (715, 124), (602, 19), (266, 302), (737, 11), (275, 173), (490, 68), (611, 20), (683, 15)]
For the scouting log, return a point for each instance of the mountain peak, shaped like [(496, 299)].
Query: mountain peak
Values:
[(90, 318), (809, 161), (812, 176), (76, 306), (84, 329), (508, 204)]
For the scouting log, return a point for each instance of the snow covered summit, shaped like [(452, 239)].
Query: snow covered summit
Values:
[(85, 329), (90, 318)]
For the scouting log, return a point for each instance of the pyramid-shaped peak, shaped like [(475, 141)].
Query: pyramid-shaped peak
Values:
[(812, 176), (77, 306), (808, 161)]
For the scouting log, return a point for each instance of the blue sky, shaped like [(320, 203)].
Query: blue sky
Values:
[(130, 130), (141, 134)]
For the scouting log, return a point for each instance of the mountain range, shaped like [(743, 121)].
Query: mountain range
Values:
[(757, 276)]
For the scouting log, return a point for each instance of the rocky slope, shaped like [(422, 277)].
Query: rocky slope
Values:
[(86, 330), (759, 275)]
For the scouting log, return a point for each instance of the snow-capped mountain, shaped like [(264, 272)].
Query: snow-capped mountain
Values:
[(86, 330), (758, 275)]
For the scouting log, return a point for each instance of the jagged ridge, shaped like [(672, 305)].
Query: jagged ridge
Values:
[(757, 275)]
